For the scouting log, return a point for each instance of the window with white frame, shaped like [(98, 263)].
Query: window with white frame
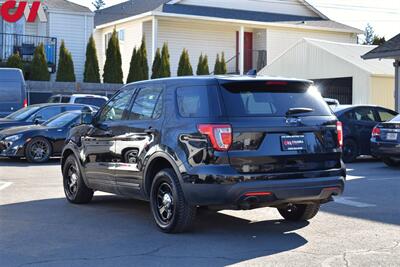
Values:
[(107, 37)]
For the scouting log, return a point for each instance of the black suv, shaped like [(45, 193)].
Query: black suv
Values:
[(218, 142)]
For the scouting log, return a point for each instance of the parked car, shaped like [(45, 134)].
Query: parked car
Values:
[(37, 114), (385, 142), (12, 91), (358, 122), (37, 143), (227, 142), (93, 100)]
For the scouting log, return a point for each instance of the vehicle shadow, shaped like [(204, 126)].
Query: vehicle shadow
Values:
[(117, 231), (7, 162)]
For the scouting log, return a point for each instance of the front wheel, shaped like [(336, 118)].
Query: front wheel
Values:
[(391, 162), (38, 150), (299, 212), (75, 188), (170, 210)]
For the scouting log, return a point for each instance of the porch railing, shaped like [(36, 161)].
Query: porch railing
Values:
[(25, 45), (253, 59)]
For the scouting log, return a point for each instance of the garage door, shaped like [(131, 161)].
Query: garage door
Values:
[(339, 88)]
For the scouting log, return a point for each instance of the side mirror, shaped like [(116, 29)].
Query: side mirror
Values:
[(87, 118), (38, 120)]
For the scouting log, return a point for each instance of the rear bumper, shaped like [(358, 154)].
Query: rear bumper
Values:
[(385, 149), (254, 194)]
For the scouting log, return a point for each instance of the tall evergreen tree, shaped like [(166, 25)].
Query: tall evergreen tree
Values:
[(40, 71), (217, 67), (133, 75), (185, 68), (156, 69), (144, 65), (202, 67), (92, 70), (65, 70), (223, 68), (15, 61), (113, 66), (165, 71)]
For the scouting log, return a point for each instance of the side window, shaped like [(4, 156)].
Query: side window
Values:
[(114, 110), (147, 104), (349, 115), (65, 99), (46, 113), (385, 115), (193, 102), (364, 114)]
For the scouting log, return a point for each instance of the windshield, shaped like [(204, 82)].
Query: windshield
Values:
[(98, 102), (272, 99), (22, 114), (62, 120)]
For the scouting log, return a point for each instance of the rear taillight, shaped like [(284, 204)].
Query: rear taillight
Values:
[(25, 103), (220, 135), (376, 132), (339, 127)]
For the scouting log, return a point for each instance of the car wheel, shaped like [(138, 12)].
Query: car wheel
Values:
[(350, 151), (299, 212), (38, 150), (391, 162), (75, 188), (171, 211)]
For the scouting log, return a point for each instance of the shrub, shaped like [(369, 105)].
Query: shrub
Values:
[(156, 69), (40, 72), (65, 70), (185, 68), (133, 75), (113, 66), (92, 70), (202, 67), (223, 64), (165, 71), (144, 65), (15, 61)]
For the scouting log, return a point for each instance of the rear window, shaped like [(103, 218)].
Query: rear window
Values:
[(272, 99), (98, 102), (198, 101), (10, 92)]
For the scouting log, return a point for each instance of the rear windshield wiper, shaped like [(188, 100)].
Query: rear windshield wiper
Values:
[(294, 111)]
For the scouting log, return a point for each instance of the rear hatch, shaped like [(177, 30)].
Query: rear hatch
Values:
[(280, 127)]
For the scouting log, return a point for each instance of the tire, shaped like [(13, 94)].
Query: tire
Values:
[(299, 212), (75, 188), (350, 151), (38, 150), (171, 212), (391, 162)]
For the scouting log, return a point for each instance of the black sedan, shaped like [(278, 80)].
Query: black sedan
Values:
[(358, 122), (37, 114), (37, 143), (385, 142)]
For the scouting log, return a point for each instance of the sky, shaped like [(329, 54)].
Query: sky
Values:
[(383, 15)]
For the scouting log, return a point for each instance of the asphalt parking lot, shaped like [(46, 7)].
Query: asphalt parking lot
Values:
[(39, 228)]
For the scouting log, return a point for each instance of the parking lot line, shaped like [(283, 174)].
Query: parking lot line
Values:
[(348, 201), (4, 185)]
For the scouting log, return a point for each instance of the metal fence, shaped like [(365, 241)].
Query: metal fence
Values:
[(25, 45), (253, 59)]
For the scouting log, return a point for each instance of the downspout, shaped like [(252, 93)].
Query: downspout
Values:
[(397, 85)]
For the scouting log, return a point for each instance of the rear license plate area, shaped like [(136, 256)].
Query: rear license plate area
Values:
[(293, 143), (392, 136)]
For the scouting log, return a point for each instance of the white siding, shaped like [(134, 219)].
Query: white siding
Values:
[(292, 7), (310, 62), (37, 29), (279, 39), (75, 30), (133, 37), (197, 37)]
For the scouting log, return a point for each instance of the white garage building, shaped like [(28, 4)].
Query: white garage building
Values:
[(338, 70)]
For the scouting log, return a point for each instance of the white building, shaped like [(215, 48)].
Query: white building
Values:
[(338, 70), (65, 21), (250, 33)]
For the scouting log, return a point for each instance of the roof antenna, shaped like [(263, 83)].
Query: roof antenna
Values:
[(252, 72)]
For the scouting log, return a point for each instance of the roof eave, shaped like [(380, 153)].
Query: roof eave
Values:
[(382, 55)]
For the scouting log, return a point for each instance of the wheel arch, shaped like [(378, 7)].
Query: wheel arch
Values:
[(156, 163)]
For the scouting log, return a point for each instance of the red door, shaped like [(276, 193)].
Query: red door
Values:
[(248, 51)]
